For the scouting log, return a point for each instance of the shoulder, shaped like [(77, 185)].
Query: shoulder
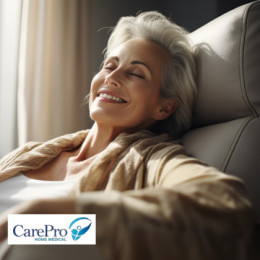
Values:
[(67, 141), (12, 156), (150, 145)]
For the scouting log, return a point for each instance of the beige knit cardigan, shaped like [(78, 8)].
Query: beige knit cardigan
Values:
[(151, 200)]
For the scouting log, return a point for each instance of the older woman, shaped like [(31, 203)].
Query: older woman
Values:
[(152, 201)]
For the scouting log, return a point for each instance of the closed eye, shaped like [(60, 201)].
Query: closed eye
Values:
[(137, 75), (108, 68)]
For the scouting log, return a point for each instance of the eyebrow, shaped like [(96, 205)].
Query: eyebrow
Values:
[(113, 58), (142, 63), (133, 62)]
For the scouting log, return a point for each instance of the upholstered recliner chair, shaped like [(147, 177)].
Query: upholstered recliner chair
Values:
[(227, 123)]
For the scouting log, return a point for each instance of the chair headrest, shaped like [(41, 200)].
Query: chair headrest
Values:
[(229, 66)]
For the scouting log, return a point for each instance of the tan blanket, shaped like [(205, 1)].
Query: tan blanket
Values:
[(151, 200)]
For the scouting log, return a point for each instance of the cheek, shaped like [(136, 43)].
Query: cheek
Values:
[(96, 82), (145, 95), (93, 83)]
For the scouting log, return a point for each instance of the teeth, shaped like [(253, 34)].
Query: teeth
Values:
[(104, 95)]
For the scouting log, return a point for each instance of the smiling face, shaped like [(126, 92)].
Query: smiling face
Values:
[(125, 94)]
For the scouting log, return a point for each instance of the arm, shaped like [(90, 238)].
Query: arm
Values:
[(189, 211), (172, 223)]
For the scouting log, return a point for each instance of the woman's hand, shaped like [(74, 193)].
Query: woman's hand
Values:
[(42, 206)]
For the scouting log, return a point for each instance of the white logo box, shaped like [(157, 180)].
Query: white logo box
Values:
[(52, 229)]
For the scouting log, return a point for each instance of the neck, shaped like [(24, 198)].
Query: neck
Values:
[(97, 140)]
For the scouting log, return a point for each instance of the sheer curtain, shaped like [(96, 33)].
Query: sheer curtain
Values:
[(54, 73), (10, 18)]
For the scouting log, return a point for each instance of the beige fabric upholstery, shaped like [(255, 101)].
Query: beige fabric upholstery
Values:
[(227, 123)]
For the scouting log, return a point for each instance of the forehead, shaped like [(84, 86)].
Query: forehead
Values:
[(141, 50)]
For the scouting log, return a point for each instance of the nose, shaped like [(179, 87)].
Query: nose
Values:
[(110, 82), (112, 79)]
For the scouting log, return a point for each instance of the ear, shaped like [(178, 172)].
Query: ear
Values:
[(166, 108)]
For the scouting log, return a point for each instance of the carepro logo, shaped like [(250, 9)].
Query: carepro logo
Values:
[(79, 231), (46, 229)]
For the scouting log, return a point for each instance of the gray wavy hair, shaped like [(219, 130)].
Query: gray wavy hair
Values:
[(179, 75)]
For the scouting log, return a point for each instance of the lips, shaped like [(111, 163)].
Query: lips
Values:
[(110, 97)]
